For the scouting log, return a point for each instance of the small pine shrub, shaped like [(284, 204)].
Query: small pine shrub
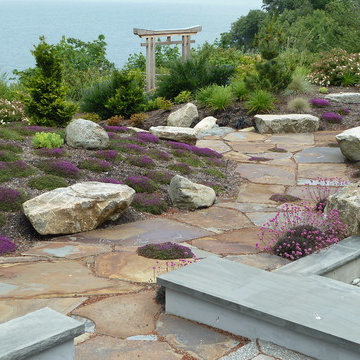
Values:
[(47, 182), (159, 103), (239, 90), (182, 168), (261, 101), (162, 177), (142, 161), (141, 184), (150, 203), (165, 251), (47, 140), (11, 199), (98, 165), (137, 120), (8, 156), (6, 246), (10, 147), (10, 134), (183, 97), (60, 168), (115, 120), (299, 105), (215, 172)]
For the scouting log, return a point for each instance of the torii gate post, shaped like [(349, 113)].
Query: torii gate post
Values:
[(151, 43)]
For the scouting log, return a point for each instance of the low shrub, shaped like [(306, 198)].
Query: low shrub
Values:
[(261, 101), (162, 177), (299, 105), (151, 203), (319, 102), (11, 147), (192, 160), (179, 145), (182, 168), (203, 94), (98, 165), (47, 140), (60, 168), (55, 152), (142, 161), (11, 169), (239, 90), (165, 251), (6, 246), (332, 118), (47, 182), (8, 156), (141, 184), (221, 97), (11, 199), (11, 111), (323, 90), (115, 120), (147, 137), (159, 154), (137, 120), (107, 155), (215, 172), (10, 134), (183, 97)]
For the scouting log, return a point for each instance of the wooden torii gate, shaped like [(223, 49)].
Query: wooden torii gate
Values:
[(150, 37)]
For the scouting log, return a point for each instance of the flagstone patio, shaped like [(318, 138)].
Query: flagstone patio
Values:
[(98, 275)]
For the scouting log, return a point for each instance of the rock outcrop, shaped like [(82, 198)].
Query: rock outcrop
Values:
[(181, 134), (349, 142), (184, 116), (79, 207), (345, 98), (205, 124)]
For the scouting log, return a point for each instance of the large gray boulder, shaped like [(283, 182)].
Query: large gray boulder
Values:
[(86, 134), (290, 123), (184, 116), (181, 134), (347, 203), (345, 98), (205, 124), (80, 207), (349, 141), (186, 194)]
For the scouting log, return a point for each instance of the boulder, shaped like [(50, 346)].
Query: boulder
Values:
[(345, 98), (182, 134), (184, 116), (186, 194), (205, 124), (347, 202), (349, 141), (291, 123), (86, 134), (79, 207)]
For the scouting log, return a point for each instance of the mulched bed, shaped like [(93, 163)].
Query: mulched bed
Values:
[(19, 229)]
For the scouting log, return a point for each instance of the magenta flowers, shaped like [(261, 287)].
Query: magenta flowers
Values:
[(6, 245), (319, 102), (332, 118)]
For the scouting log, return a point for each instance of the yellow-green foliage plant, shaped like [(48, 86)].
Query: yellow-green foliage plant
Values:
[(47, 140)]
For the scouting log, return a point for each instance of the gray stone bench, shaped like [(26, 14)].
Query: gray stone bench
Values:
[(44, 334), (312, 314)]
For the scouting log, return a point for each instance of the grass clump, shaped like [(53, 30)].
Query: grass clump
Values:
[(299, 104), (8, 156), (182, 168), (215, 172), (98, 165), (162, 177), (261, 101), (11, 169), (299, 85), (10, 134), (165, 251), (239, 90), (55, 152), (150, 203), (47, 182), (10, 147), (3, 219), (11, 199)]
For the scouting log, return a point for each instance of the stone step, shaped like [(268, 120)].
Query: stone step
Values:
[(309, 314)]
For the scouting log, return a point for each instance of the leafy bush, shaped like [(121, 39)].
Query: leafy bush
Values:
[(165, 251), (332, 118), (137, 120), (115, 120), (8, 156), (183, 97), (239, 89), (151, 203), (141, 184), (142, 161), (122, 95), (11, 199), (99, 165), (298, 105), (336, 67), (46, 104), (9, 134), (6, 245), (59, 168), (193, 74), (11, 111), (9, 170), (47, 140), (47, 182), (261, 101), (319, 102)]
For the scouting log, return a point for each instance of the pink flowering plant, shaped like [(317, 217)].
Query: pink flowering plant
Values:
[(150, 203), (319, 102), (165, 251), (6, 245), (141, 184), (60, 168), (298, 230), (332, 118), (98, 165)]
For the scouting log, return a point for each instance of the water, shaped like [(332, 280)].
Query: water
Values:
[(23, 21)]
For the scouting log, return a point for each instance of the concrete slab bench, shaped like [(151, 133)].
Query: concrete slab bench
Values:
[(44, 334), (315, 315)]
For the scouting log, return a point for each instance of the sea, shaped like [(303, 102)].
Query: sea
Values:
[(23, 21)]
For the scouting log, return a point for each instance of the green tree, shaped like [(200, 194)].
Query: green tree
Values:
[(46, 104)]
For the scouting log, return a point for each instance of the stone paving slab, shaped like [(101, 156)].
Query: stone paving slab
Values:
[(20, 259), (260, 218), (199, 341), (109, 348), (232, 242), (323, 138), (267, 174), (248, 207), (216, 219), (246, 352), (280, 352), (273, 158), (320, 155), (54, 279), (11, 309), (67, 250), (252, 147), (259, 193), (123, 316), (217, 145), (313, 171), (291, 139), (262, 261), (245, 136), (138, 233)]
